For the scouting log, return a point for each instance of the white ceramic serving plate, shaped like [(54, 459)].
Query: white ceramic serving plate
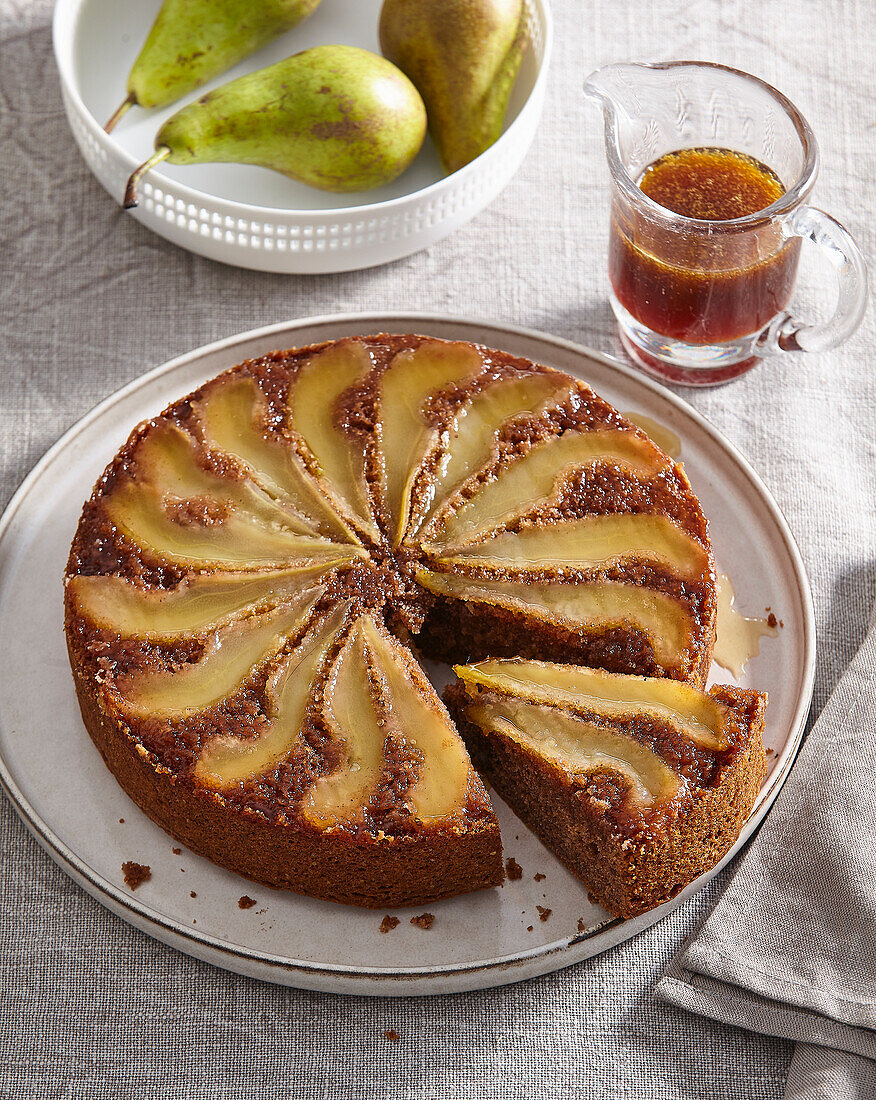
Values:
[(260, 219), (72, 805)]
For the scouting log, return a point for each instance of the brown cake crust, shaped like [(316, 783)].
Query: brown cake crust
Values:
[(255, 830), (629, 863)]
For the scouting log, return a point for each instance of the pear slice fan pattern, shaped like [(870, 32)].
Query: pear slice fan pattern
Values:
[(250, 571)]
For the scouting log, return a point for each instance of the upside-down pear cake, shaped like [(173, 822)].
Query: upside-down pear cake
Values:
[(257, 570)]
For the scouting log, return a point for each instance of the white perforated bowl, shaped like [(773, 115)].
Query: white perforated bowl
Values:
[(259, 219)]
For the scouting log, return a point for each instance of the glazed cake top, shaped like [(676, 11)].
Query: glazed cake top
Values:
[(246, 565)]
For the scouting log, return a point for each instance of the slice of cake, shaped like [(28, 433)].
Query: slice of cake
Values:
[(637, 785), (251, 567)]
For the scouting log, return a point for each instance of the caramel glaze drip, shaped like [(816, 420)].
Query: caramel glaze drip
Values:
[(739, 636)]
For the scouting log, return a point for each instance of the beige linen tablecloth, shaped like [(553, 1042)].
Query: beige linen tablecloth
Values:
[(89, 1008)]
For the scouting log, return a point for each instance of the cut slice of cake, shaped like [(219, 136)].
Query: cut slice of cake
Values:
[(637, 785)]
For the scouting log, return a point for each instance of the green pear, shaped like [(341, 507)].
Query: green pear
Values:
[(192, 41), (463, 56), (335, 117)]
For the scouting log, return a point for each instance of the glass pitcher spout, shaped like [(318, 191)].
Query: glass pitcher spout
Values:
[(625, 92), (619, 88)]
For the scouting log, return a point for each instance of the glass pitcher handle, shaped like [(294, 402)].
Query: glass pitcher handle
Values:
[(785, 332)]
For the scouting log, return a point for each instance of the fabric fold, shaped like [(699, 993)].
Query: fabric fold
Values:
[(819, 1072)]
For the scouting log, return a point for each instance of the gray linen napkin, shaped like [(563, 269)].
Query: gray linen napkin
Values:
[(790, 949)]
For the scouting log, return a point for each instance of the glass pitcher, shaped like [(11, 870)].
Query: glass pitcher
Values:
[(700, 302)]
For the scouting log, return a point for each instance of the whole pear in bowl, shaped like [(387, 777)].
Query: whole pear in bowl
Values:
[(338, 118), (463, 56), (193, 41)]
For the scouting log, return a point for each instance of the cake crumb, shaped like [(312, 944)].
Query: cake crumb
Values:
[(391, 1034), (582, 927), (539, 877), (388, 923), (176, 851), (121, 821), (246, 902), (424, 921), (135, 874), (515, 871), (529, 929), (192, 894), (772, 620), (543, 912), (771, 752)]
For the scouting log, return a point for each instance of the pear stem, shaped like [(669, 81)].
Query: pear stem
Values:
[(160, 154), (124, 106)]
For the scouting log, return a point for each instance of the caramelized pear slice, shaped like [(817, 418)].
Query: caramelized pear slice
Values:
[(414, 712), (168, 459), (199, 603), (602, 605), (474, 432), (405, 435), (232, 415), (591, 542), (229, 658), (533, 479), (353, 722), (339, 458), (698, 716), (225, 761), (577, 747), (219, 540)]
